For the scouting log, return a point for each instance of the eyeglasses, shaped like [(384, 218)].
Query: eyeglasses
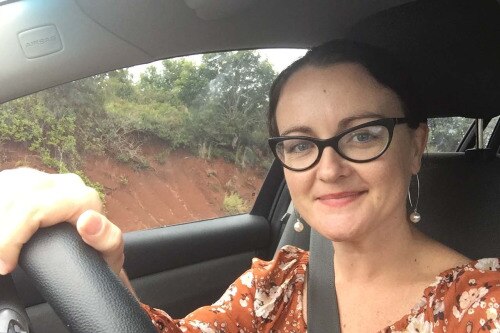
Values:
[(360, 144)]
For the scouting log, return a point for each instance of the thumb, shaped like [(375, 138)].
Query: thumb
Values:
[(98, 232)]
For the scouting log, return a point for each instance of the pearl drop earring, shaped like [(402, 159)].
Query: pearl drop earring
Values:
[(415, 215), (298, 226)]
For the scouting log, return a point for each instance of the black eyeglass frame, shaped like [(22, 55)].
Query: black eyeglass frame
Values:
[(333, 142)]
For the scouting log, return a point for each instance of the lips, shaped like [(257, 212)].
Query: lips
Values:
[(340, 199)]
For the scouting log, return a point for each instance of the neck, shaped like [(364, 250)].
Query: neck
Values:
[(386, 254)]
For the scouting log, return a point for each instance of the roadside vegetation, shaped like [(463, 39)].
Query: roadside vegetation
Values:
[(214, 108), (234, 204)]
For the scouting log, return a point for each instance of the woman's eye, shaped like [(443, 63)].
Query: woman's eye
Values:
[(365, 135), (298, 146), (362, 137)]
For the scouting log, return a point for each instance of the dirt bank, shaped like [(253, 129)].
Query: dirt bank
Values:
[(179, 188)]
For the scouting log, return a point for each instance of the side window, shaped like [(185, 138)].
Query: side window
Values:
[(445, 134), (175, 141), (488, 131)]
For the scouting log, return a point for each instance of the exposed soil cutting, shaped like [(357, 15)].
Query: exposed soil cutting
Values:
[(182, 188)]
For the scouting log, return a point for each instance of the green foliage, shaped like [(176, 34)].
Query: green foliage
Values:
[(188, 82), (151, 80), (215, 108), (50, 135), (234, 204), (240, 86), (160, 120), (445, 134), (119, 84), (233, 117)]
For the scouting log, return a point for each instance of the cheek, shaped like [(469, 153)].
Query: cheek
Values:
[(388, 191), (298, 182), (389, 177), (300, 185)]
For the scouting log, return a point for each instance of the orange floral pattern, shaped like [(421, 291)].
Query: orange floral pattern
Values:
[(268, 298)]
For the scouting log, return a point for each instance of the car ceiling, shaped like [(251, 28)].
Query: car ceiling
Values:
[(98, 36)]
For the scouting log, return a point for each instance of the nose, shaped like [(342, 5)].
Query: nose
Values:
[(331, 166)]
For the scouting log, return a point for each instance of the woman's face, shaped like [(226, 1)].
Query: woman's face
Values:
[(347, 201)]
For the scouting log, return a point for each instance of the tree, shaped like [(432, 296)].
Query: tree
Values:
[(186, 81), (151, 79), (235, 109), (119, 84)]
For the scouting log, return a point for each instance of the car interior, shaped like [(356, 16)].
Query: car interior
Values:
[(451, 46)]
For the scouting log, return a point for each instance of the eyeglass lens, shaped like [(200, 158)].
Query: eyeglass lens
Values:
[(359, 145)]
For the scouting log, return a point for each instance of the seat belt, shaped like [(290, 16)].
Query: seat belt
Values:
[(322, 306)]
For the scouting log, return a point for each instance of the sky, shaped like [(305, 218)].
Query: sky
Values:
[(279, 59)]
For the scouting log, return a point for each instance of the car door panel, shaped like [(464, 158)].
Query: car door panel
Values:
[(182, 267)]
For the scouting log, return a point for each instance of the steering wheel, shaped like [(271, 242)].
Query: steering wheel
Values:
[(77, 283)]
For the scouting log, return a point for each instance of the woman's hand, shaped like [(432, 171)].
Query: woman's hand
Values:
[(31, 199)]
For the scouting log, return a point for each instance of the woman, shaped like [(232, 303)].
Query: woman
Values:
[(348, 133)]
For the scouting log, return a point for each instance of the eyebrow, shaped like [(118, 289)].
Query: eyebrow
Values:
[(301, 129), (343, 124)]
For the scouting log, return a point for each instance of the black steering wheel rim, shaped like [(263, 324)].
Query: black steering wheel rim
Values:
[(81, 288)]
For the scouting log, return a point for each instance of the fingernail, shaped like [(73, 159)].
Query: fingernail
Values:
[(3, 267), (94, 226)]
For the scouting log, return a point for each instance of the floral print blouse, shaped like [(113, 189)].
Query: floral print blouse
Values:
[(268, 298)]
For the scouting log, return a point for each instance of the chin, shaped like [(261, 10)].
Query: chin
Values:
[(339, 229)]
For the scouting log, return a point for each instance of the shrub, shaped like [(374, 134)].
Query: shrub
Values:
[(234, 204)]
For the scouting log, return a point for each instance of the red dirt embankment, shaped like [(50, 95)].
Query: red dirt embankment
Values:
[(184, 188)]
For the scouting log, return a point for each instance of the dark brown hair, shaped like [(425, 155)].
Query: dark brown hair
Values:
[(383, 66)]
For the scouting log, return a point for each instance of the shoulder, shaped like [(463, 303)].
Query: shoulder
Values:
[(288, 260), (466, 297), (287, 267), (482, 275), (268, 291), (475, 288)]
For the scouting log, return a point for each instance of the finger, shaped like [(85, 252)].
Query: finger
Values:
[(68, 198), (98, 232), (15, 233)]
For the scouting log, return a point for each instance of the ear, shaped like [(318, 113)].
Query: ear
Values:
[(420, 135)]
